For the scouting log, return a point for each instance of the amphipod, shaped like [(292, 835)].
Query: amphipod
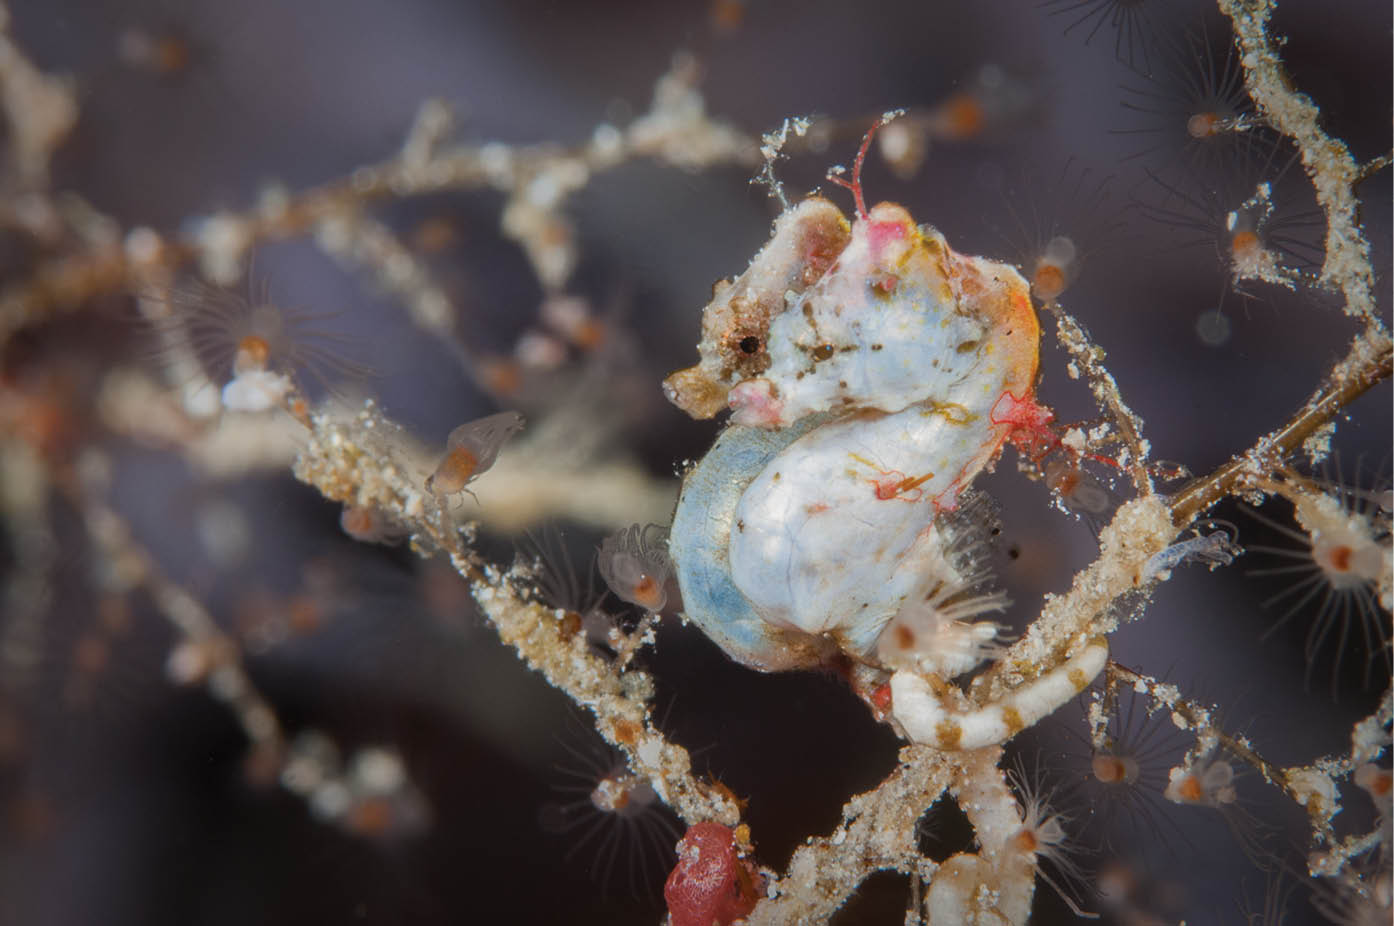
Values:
[(872, 373)]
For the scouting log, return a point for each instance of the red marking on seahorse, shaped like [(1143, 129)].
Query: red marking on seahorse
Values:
[(1029, 423), (895, 484)]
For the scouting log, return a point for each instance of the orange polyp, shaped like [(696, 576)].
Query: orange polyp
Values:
[(305, 614), (1203, 125), (634, 563), (90, 654), (1048, 282), (1026, 842), (357, 520), (626, 732), (1381, 784), (453, 473), (44, 424), (648, 593), (1109, 769), (253, 353), (370, 817), (613, 794), (435, 235), (589, 335), (501, 376), (1245, 244), (1191, 790), (1340, 558), (262, 766), (963, 116), (727, 15), (171, 55)]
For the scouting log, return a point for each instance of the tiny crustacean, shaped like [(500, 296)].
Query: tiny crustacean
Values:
[(470, 450), (872, 373)]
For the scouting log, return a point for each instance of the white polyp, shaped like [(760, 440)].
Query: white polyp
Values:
[(634, 563), (932, 636), (1214, 778), (378, 771), (314, 760), (1332, 527), (1375, 781), (200, 400), (227, 683), (256, 391), (330, 801), (225, 532), (1060, 252), (925, 717), (189, 662), (1313, 788)]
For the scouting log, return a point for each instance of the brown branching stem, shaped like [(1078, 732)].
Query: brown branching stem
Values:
[(135, 567), (669, 133), (351, 462), (878, 832), (1295, 782), (1364, 366), (1197, 718), (1328, 161)]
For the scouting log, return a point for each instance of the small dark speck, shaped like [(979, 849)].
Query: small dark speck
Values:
[(1014, 552), (740, 526), (996, 531), (876, 347), (750, 344)]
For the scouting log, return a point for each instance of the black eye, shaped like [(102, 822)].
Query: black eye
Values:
[(750, 344)]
